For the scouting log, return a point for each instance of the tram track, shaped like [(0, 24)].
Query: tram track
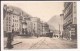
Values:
[(34, 45), (41, 44)]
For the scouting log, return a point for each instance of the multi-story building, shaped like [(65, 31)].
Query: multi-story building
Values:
[(29, 27), (25, 24), (70, 20), (15, 19), (11, 19), (45, 29), (35, 26), (21, 22)]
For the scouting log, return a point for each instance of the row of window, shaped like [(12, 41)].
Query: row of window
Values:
[(15, 29), (15, 25), (8, 25), (15, 20), (9, 29), (68, 11), (67, 4), (8, 18), (68, 18), (68, 22)]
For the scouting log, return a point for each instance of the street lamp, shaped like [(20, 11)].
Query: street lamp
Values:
[(10, 39)]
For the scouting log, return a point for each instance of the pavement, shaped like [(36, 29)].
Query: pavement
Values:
[(41, 43)]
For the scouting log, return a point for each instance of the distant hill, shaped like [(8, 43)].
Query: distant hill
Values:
[(54, 22)]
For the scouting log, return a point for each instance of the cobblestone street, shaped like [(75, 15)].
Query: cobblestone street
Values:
[(42, 43)]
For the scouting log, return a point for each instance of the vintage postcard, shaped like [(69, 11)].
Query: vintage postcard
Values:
[(39, 25)]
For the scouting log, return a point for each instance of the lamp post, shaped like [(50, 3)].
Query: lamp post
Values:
[(12, 32), (10, 39)]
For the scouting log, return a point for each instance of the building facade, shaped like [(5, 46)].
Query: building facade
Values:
[(22, 23), (29, 27), (35, 26), (15, 19), (70, 20), (46, 29), (11, 19)]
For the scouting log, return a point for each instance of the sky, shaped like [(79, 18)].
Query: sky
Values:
[(41, 9)]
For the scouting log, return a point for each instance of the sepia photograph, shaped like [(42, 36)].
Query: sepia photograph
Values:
[(39, 25)]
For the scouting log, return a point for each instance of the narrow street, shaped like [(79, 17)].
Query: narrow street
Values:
[(42, 43)]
